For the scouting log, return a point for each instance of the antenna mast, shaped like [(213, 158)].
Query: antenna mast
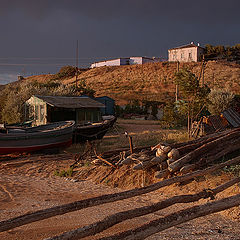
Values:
[(77, 65)]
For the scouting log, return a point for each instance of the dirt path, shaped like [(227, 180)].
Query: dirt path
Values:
[(28, 185)]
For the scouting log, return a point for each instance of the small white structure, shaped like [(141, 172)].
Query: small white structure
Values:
[(186, 53), (125, 61), (113, 62)]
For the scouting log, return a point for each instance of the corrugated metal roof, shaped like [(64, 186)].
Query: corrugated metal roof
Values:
[(232, 117), (71, 102)]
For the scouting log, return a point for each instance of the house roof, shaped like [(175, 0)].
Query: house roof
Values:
[(71, 102), (186, 46)]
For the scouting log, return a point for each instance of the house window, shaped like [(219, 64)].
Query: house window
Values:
[(174, 56), (182, 55), (190, 56)]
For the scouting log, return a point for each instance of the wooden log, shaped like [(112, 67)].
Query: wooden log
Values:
[(170, 161), (129, 160), (203, 138), (187, 168), (213, 155), (143, 165), (188, 146), (175, 166), (176, 218), (163, 165), (218, 153), (162, 174), (117, 151), (158, 160), (174, 154), (114, 219), (95, 201)]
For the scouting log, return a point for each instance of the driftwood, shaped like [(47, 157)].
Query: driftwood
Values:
[(203, 140), (175, 166), (187, 168), (70, 207), (104, 160), (176, 218), (114, 219), (162, 173), (211, 157)]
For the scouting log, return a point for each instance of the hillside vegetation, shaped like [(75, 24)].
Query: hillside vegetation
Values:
[(151, 81), (155, 81)]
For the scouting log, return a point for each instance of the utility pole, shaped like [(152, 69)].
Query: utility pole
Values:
[(176, 94), (77, 65), (203, 71)]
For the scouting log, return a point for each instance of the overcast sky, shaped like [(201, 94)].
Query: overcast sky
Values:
[(39, 36)]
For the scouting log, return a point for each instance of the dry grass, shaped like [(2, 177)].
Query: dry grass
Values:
[(145, 138), (151, 81), (154, 81)]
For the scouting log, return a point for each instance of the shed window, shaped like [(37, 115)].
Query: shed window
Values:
[(41, 113), (88, 116), (37, 112), (96, 116), (80, 116)]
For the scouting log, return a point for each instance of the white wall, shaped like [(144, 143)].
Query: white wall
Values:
[(125, 61), (114, 62), (190, 54)]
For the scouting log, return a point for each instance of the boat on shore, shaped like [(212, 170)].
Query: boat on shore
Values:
[(93, 131), (53, 135)]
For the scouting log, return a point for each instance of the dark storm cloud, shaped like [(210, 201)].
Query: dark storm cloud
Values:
[(110, 28)]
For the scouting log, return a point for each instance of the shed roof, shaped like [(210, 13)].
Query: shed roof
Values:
[(232, 117), (187, 46), (71, 102)]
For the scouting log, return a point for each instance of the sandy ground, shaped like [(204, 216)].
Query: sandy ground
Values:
[(27, 184)]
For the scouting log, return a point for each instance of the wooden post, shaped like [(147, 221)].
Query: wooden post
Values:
[(130, 144)]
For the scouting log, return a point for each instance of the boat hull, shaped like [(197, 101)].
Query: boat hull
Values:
[(93, 131), (48, 136)]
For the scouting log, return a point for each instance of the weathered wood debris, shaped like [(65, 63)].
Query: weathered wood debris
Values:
[(168, 160), (182, 161)]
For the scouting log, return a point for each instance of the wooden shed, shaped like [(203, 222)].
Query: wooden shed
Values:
[(45, 109)]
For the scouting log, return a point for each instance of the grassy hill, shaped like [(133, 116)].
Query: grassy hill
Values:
[(152, 81)]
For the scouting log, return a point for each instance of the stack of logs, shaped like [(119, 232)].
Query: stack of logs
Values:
[(167, 160)]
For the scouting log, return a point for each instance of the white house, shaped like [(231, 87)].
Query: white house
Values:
[(186, 53), (125, 61)]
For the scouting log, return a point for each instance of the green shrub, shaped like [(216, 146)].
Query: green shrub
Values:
[(219, 100), (64, 173), (66, 71)]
